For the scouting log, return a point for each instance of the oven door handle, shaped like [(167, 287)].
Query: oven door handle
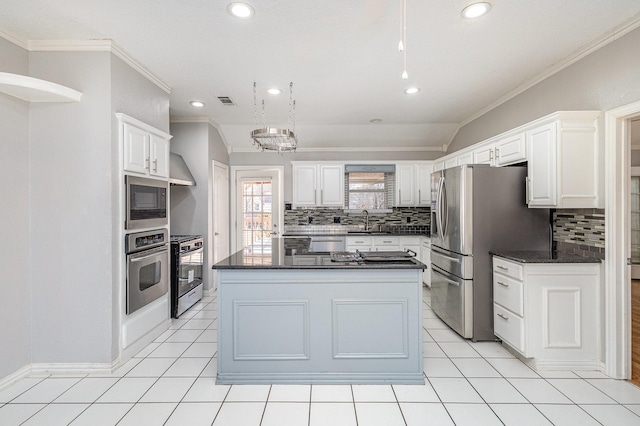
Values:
[(138, 257)]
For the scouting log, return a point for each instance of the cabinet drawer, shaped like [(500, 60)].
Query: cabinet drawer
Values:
[(510, 269), (508, 293), (359, 241), (386, 241), (509, 327)]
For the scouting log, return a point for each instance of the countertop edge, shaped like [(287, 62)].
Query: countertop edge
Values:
[(544, 257)]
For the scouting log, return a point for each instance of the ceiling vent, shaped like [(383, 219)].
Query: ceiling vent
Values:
[(225, 100)]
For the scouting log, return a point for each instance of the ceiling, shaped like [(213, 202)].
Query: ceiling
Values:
[(341, 55)]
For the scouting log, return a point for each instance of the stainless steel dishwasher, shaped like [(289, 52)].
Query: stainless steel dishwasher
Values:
[(328, 243)]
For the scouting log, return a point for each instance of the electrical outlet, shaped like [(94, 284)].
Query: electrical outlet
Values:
[(310, 219), (408, 219), (336, 219)]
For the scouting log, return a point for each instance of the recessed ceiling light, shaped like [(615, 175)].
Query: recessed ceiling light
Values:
[(274, 91), (240, 10), (476, 10), (411, 90), (197, 104), (375, 120)]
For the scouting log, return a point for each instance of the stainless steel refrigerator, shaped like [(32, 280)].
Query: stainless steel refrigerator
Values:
[(476, 209)]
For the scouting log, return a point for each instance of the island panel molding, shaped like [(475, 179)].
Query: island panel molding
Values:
[(270, 330), (355, 321)]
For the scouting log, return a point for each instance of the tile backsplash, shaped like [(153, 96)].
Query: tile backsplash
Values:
[(579, 231), (400, 219)]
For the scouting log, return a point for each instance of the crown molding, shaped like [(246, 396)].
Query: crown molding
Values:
[(202, 119), (615, 34), (96, 45), (12, 38), (353, 149)]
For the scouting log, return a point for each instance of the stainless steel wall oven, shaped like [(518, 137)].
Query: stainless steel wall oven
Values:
[(187, 261), (147, 268)]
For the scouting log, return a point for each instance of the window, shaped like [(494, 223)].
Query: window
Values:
[(369, 187)]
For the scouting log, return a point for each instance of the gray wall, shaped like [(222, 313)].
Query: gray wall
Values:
[(605, 79), (71, 178), (199, 144), (260, 158), (15, 263)]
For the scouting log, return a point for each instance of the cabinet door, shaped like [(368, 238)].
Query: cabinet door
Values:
[(541, 155), (304, 185), (405, 185), (511, 150), (331, 185), (136, 149), (159, 155), (423, 172), (466, 158), (484, 155), (450, 162)]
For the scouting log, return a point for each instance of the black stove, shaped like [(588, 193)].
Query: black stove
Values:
[(187, 261)]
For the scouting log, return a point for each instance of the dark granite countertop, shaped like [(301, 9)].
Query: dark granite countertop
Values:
[(283, 255), (353, 234), (533, 256)]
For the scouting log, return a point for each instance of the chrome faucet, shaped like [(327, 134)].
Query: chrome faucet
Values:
[(366, 219)]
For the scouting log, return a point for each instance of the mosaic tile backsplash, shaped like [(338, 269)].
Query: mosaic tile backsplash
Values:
[(410, 220), (579, 231)]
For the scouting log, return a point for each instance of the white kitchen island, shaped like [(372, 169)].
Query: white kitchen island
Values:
[(302, 318)]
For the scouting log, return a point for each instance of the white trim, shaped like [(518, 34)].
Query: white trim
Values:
[(7, 381), (617, 272), (201, 119), (353, 149), (233, 199), (36, 90), (13, 38), (98, 45), (615, 34), (60, 368)]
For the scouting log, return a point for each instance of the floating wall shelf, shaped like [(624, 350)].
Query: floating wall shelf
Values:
[(35, 90)]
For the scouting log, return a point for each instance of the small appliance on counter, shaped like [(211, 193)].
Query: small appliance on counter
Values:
[(187, 261)]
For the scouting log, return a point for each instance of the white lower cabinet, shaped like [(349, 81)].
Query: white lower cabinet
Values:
[(425, 257), (360, 243), (549, 312)]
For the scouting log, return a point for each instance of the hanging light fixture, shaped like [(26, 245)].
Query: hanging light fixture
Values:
[(272, 138), (402, 46)]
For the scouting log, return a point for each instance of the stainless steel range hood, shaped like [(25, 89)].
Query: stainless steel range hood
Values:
[(179, 173)]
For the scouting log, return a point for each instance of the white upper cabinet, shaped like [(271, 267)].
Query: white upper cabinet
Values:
[(413, 184), (484, 153), (564, 161), (405, 185), (145, 149), (510, 150), (318, 184), (423, 172)]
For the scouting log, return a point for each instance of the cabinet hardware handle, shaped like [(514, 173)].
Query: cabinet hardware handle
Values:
[(419, 196), (491, 155), (147, 166), (527, 190), (155, 165), (504, 317), (322, 196), (399, 196), (502, 267), (502, 284)]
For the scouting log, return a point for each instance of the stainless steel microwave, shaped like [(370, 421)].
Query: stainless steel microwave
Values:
[(147, 203)]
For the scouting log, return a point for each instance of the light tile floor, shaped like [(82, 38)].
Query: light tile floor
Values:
[(172, 382)]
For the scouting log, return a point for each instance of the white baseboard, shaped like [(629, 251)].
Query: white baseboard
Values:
[(58, 369)]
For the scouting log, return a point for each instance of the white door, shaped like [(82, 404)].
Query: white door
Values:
[(257, 209), (220, 212)]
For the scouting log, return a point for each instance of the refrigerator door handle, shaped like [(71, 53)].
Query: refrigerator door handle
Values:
[(444, 277), (445, 207), (439, 207), (443, 254)]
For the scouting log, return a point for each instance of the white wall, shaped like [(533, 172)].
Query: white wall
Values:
[(15, 265), (199, 144)]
